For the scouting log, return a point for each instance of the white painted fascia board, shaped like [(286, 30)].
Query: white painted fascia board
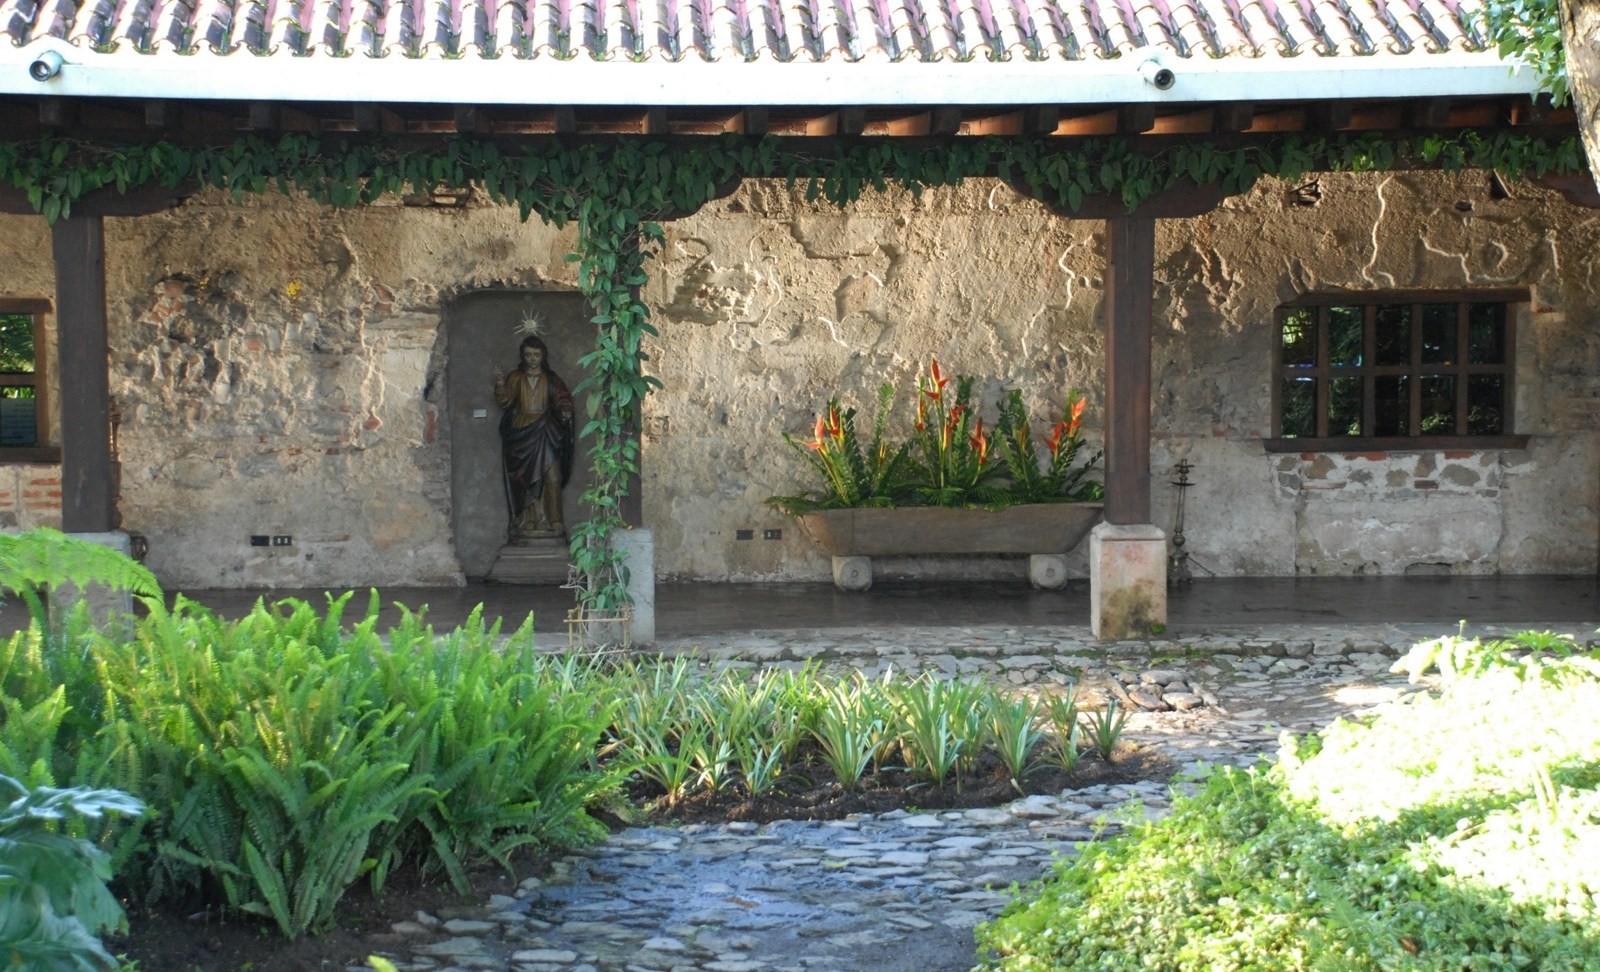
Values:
[(243, 76)]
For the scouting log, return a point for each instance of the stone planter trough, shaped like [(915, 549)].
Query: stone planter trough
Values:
[(1043, 531)]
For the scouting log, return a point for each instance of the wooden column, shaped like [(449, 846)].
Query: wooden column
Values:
[(1130, 244), (87, 495)]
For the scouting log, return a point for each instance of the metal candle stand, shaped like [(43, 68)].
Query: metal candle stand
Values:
[(1178, 563)]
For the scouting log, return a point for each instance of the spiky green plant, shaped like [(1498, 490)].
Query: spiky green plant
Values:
[(852, 476), (1066, 728), (1105, 728), (849, 731), (939, 725), (1012, 728)]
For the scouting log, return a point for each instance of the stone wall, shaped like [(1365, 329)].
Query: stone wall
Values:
[(794, 303), (281, 370)]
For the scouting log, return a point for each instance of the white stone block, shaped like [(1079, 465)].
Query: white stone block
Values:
[(1127, 580), (1047, 572), (852, 573)]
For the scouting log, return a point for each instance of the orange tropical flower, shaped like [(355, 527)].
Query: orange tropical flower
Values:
[(1060, 429), (835, 425), (980, 442), (1077, 414), (934, 387)]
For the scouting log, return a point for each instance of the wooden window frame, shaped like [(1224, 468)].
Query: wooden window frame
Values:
[(39, 380), (1324, 372)]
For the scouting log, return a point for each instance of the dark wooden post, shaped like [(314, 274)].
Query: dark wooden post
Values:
[(1130, 245), (87, 491)]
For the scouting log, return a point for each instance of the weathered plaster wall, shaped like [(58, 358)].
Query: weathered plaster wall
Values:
[(768, 305), (281, 370), (1515, 511), (793, 302)]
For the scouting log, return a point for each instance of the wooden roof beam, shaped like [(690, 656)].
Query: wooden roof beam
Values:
[(1234, 117), (1136, 119), (57, 113), (1283, 120), (376, 118), (1428, 113), (934, 121), (1095, 123), (1330, 116)]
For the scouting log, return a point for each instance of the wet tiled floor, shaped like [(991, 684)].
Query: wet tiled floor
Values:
[(689, 610)]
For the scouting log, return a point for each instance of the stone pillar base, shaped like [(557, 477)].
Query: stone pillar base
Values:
[(638, 549), (1047, 572), (106, 605), (1127, 580), (852, 573)]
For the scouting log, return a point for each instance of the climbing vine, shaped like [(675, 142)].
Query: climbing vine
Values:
[(617, 192)]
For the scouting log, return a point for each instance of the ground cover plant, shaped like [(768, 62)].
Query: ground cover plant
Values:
[(1458, 831)]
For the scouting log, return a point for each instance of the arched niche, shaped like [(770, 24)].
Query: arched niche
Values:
[(482, 331)]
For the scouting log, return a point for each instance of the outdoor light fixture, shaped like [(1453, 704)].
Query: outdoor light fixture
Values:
[(45, 66), (1153, 73)]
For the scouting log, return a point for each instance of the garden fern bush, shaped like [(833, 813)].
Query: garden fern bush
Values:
[(1457, 831), (291, 753)]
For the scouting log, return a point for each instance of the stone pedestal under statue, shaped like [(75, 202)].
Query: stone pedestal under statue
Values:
[(542, 561)]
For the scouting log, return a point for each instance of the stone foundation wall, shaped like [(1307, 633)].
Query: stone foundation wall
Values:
[(281, 370)]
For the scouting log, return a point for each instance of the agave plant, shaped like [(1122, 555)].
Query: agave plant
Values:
[(849, 731), (1105, 729)]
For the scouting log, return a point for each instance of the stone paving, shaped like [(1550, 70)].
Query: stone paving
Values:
[(903, 890)]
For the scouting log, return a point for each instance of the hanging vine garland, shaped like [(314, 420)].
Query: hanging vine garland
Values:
[(618, 191)]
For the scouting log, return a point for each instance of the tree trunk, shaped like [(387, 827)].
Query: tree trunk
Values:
[(1580, 35)]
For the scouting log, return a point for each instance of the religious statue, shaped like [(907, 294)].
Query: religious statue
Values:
[(535, 441)]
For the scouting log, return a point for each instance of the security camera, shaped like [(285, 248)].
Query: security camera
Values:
[(1153, 73), (45, 66)]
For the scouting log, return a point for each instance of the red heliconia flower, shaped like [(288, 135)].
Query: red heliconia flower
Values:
[(934, 388), (980, 443), (816, 441), (1077, 414), (922, 413), (1054, 441), (835, 427)]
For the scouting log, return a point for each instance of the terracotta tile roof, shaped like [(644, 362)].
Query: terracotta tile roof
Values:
[(753, 30)]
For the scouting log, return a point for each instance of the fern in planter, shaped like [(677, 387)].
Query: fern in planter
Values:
[(53, 899)]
